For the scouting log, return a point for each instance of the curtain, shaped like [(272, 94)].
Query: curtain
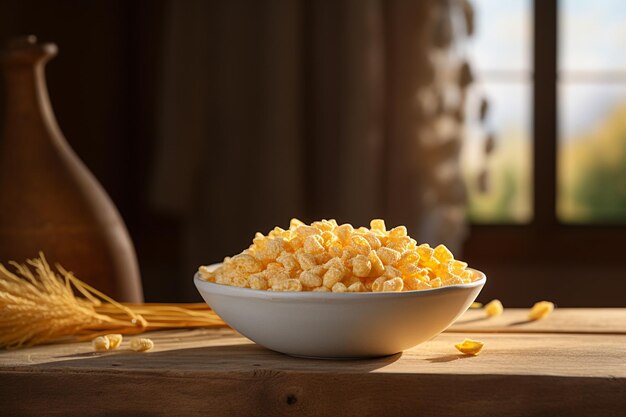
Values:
[(312, 109)]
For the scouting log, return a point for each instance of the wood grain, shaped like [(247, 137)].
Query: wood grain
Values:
[(219, 372), (562, 320)]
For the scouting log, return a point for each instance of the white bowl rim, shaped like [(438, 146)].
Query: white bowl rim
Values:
[(230, 290)]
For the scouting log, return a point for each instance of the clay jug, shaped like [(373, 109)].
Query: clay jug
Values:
[(49, 201)]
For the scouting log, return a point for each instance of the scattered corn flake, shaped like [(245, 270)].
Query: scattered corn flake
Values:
[(470, 347), (494, 308), (115, 340), (476, 304), (141, 344), (540, 310), (101, 343)]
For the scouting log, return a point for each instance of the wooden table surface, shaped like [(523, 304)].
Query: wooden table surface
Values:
[(571, 363)]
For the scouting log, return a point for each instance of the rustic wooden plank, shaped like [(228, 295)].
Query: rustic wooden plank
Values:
[(219, 372), (562, 320), (203, 352), (260, 392)]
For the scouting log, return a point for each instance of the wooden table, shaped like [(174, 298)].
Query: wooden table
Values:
[(572, 363)]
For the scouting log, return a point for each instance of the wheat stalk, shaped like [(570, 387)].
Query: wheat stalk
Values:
[(39, 305)]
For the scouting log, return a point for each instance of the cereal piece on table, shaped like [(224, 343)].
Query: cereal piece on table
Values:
[(309, 279), (257, 281), (101, 343), (470, 347), (288, 285), (339, 287), (141, 344), (540, 310), (388, 256), (332, 276), (115, 340), (393, 285), (361, 266), (476, 304), (494, 308), (321, 289)]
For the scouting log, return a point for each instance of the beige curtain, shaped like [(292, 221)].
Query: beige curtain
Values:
[(344, 109)]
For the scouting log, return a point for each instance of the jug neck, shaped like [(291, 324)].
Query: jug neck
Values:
[(26, 94)]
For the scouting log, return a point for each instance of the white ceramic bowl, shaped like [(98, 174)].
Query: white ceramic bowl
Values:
[(338, 325)]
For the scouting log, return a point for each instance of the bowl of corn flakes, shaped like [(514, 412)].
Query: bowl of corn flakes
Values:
[(326, 290)]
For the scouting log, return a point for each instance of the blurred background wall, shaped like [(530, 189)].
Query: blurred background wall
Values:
[(209, 121)]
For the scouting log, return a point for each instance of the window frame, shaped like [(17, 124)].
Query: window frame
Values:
[(545, 239)]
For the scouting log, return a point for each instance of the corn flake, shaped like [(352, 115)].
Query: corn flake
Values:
[(325, 256), (470, 347), (493, 308), (540, 310)]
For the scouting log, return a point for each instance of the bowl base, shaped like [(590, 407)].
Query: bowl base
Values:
[(339, 358)]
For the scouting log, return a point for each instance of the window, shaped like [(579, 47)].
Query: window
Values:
[(590, 162), (568, 248), (501, 56)]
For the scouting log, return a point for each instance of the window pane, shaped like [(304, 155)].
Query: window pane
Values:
[(507, 197), (592, 35), (592, 153), (502, 40)]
